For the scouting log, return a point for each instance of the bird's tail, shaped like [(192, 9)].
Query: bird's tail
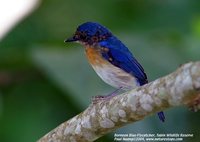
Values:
[(161, 116)]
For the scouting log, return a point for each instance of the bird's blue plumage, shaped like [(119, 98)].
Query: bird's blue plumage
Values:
[(92, 29), (123, 58), (120, 62)]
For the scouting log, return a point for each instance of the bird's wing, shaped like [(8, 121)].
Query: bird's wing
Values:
[(121, 57)]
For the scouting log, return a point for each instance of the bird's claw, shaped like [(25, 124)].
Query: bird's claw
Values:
[(97, 99)]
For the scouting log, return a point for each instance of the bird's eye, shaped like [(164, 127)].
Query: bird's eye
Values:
[(94, 39), (83, 36)]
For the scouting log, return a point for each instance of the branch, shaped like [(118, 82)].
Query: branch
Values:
[(181, 87)]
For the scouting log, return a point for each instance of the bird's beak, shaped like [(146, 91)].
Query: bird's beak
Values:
[(71, 39)]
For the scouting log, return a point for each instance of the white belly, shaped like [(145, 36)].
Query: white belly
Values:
[(116, 77)]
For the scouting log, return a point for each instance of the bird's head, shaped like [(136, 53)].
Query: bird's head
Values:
[(90, 33)]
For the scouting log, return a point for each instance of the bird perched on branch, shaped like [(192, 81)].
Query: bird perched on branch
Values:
[(110, 58)]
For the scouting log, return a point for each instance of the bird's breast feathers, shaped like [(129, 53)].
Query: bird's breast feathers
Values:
[(109, 73), (94, 56)]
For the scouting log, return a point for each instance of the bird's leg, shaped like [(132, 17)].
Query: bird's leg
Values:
[(96, 99)]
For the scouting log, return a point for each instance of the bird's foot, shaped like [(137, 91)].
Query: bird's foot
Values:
[(96, 99)]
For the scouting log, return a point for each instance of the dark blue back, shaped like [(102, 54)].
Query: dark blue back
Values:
[(123, 58)]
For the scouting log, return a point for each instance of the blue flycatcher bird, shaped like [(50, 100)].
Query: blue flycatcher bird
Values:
[(110, 58)]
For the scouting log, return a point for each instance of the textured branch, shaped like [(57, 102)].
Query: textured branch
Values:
[(181, 87)]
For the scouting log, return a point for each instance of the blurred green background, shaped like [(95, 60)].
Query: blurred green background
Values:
[(44, 81)]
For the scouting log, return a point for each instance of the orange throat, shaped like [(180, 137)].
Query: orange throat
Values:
[(94, 56)]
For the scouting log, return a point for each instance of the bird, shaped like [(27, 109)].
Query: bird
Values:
[(110, 58)]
